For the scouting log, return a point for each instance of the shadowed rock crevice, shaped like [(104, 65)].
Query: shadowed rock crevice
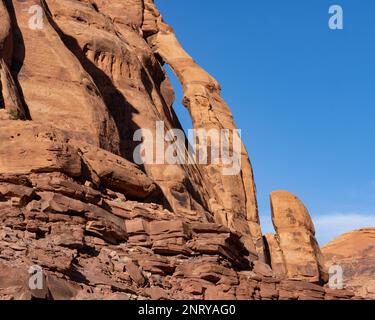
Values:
[(120, 110), (124, 66), (13, 59)]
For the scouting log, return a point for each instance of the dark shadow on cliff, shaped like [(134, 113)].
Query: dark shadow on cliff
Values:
[(119, 108), (18, 56)]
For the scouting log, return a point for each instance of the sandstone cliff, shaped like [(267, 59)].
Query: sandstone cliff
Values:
[(75, 87)]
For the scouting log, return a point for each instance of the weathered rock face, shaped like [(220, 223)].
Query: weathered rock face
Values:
[(294, 249), (106, 66), (86, 113), (28, 148), (96, 244), (46, 70), (355, 253), (76, 83)]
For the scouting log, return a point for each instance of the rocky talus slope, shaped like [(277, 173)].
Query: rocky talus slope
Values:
[(355, 253), (77, 79)]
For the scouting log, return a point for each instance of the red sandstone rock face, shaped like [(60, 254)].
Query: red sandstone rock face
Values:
[(294, 250), (355, 253), (93, 73), (96, 244), (101, 227)]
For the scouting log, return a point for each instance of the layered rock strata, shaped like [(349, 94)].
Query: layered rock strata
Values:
[(96, 244)]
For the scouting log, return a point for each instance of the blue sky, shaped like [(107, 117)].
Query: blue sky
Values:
[(302, 94)]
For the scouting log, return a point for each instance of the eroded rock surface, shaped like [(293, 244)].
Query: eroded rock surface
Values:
[(94, 73), (96, 244)]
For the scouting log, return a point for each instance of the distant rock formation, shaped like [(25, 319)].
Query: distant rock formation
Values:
[(354, 252), (74, 91)]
